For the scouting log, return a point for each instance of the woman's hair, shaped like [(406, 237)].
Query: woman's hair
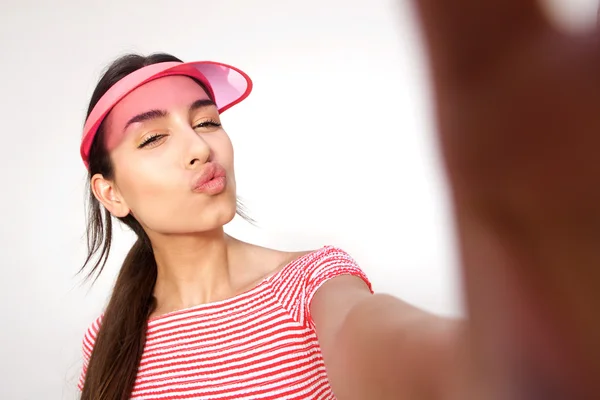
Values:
[(112, 368)]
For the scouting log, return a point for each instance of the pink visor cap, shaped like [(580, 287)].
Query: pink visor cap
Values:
[(228, 86)]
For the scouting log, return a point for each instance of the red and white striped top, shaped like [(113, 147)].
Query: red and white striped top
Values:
[(258, 345)]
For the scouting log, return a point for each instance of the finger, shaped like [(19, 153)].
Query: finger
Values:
[(464, 35)]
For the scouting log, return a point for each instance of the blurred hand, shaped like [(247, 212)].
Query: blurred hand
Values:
[(518, 109)]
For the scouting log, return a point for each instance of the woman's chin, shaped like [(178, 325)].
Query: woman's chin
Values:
[(221, 213)]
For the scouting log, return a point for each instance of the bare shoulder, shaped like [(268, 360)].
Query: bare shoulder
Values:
[(274, 260), (265, 261)]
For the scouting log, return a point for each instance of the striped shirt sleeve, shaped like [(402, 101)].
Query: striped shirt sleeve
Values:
[(329, 263)]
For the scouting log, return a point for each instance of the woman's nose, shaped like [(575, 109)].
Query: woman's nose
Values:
[(197, 151)]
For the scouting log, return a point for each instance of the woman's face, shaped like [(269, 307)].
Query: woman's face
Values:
[(173, 161)]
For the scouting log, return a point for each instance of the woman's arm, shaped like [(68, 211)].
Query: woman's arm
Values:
[(376, 346), (518, 110)]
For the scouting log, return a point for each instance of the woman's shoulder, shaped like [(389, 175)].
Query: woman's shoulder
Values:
[(263, 261), (296, 284), (309, 263), (279, 259)]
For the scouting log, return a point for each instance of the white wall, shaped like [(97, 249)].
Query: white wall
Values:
[(340, 97)]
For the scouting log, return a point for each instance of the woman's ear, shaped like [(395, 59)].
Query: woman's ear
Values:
[(107, 194)]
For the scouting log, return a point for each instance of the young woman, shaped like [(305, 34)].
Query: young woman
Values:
[(197, 314)]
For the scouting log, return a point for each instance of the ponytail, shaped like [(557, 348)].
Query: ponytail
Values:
[(118, 348), (112, 368)]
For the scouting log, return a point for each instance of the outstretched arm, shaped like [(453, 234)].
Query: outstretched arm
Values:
[(379, 347), (518, 112)]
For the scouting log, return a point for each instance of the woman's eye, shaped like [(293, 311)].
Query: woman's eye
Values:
[(150, 140), (207, 124)]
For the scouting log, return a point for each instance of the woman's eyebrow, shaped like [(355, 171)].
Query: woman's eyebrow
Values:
[(146, 116), (202, 103), (154, 114)]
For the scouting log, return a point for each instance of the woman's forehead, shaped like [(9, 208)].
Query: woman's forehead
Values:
[(163, 94), (160, 94)]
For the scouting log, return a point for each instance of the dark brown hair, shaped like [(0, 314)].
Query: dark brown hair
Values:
[(118, 348)]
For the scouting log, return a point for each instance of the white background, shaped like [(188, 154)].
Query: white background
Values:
[(334, 146)]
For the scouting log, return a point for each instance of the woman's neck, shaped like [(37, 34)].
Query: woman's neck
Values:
[(192, 270)]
